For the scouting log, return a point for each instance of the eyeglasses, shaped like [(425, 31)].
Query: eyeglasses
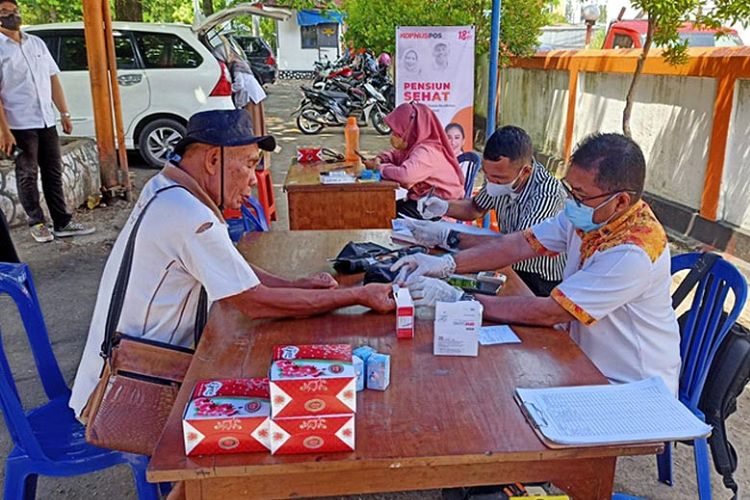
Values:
[(579, 200)]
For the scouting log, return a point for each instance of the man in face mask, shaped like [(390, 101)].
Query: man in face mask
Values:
[(522, 193), (29, 87), (615, 291)]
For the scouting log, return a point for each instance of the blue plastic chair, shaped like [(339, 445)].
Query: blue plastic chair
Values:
[(704, 330), (249, 221), (473, 162), (48, 440)]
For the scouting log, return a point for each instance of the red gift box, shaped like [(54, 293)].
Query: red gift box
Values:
[(227, 416), (309, 155), (320, 434), (312, 380)]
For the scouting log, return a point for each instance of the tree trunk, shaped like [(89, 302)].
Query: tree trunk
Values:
[(208, 7), (636, 77), (129, 10)]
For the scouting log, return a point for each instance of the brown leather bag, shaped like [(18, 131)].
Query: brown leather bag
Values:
[(139, 383)]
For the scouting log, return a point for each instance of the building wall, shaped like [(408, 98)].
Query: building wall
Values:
[(541, 111), (692, 120), (292, 57), (735, 206), (671, 121)]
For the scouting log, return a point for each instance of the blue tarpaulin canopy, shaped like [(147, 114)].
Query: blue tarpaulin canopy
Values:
[(315, 17)]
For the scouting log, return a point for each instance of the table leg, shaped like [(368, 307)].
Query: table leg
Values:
[(193, 490), (595, 487)]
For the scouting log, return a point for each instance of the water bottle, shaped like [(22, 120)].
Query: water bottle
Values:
[(351, 137)]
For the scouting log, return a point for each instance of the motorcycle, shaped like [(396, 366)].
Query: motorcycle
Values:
[(327, 108)]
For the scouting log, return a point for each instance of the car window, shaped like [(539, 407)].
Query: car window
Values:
[(622, 42), (255, 47), (73, 53), (164, 50)]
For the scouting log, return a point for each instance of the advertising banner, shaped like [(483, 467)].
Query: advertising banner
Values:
[(435, 66)]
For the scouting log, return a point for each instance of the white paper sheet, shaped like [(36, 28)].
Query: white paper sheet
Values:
[(642, 411), (497, 334)]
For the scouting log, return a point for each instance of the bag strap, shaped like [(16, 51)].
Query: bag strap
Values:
[(121, 286), (699, 270)]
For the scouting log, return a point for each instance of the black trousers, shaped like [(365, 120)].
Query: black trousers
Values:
[(41, 153), (540, 286), (7, 250)]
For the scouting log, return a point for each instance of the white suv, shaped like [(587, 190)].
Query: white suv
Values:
[(166, 74)]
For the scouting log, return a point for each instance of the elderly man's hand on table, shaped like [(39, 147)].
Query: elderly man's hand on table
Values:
[(317, 281), (378, 297)]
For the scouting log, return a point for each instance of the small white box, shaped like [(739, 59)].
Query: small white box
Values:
[(404, 313), (457, 327)]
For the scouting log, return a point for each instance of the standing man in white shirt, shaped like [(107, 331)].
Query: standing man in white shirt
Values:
[(29, 86), (615, 290)]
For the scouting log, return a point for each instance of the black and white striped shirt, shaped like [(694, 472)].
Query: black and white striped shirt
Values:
[(542, 197)]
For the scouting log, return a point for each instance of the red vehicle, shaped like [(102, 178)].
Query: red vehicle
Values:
[(632, 34)]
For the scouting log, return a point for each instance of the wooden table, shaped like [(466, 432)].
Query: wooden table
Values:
[(360, 205), (443, 422)]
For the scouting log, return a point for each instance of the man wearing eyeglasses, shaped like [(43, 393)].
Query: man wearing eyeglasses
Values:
[(615, 291)]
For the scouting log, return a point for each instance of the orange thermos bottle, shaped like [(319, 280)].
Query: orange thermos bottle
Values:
[(351, 136)]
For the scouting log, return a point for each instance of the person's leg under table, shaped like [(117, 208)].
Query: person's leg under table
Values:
[(50, 166)]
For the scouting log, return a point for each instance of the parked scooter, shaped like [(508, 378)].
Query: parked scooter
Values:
[(328, 108)]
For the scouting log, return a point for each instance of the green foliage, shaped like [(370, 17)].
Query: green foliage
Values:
[(668, 15), (50, 11), (372, 23)]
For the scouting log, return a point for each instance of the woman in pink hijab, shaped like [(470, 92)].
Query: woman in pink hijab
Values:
[(422, 158)]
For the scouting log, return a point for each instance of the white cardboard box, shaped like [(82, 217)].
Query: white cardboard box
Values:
[(457, 327)]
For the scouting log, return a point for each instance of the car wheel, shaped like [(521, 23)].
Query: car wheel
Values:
[(158, 138)]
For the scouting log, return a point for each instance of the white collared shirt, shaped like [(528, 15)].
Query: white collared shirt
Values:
[(25, 85), (621, 300), (181, 245)]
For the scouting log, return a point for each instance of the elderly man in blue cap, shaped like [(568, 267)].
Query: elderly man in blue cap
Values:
[(183, 250)]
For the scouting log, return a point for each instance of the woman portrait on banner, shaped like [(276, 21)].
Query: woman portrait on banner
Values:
[(469, 161), (411, 63), (421, 160)]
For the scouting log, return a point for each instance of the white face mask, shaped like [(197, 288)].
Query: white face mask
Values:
[(497, 190)]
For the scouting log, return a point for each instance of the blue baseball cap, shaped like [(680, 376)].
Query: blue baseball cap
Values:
[(226, 128)]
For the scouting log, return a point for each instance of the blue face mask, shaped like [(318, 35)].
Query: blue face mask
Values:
[(582, 217)]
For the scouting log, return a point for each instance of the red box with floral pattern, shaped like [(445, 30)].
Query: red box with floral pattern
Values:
[(319, 434), (227, 416), (308, 380)]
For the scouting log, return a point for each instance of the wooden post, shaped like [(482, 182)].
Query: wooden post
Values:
[(122, 153), (96, 51)]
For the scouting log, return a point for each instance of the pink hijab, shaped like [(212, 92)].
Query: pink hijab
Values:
[(417, 124)]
